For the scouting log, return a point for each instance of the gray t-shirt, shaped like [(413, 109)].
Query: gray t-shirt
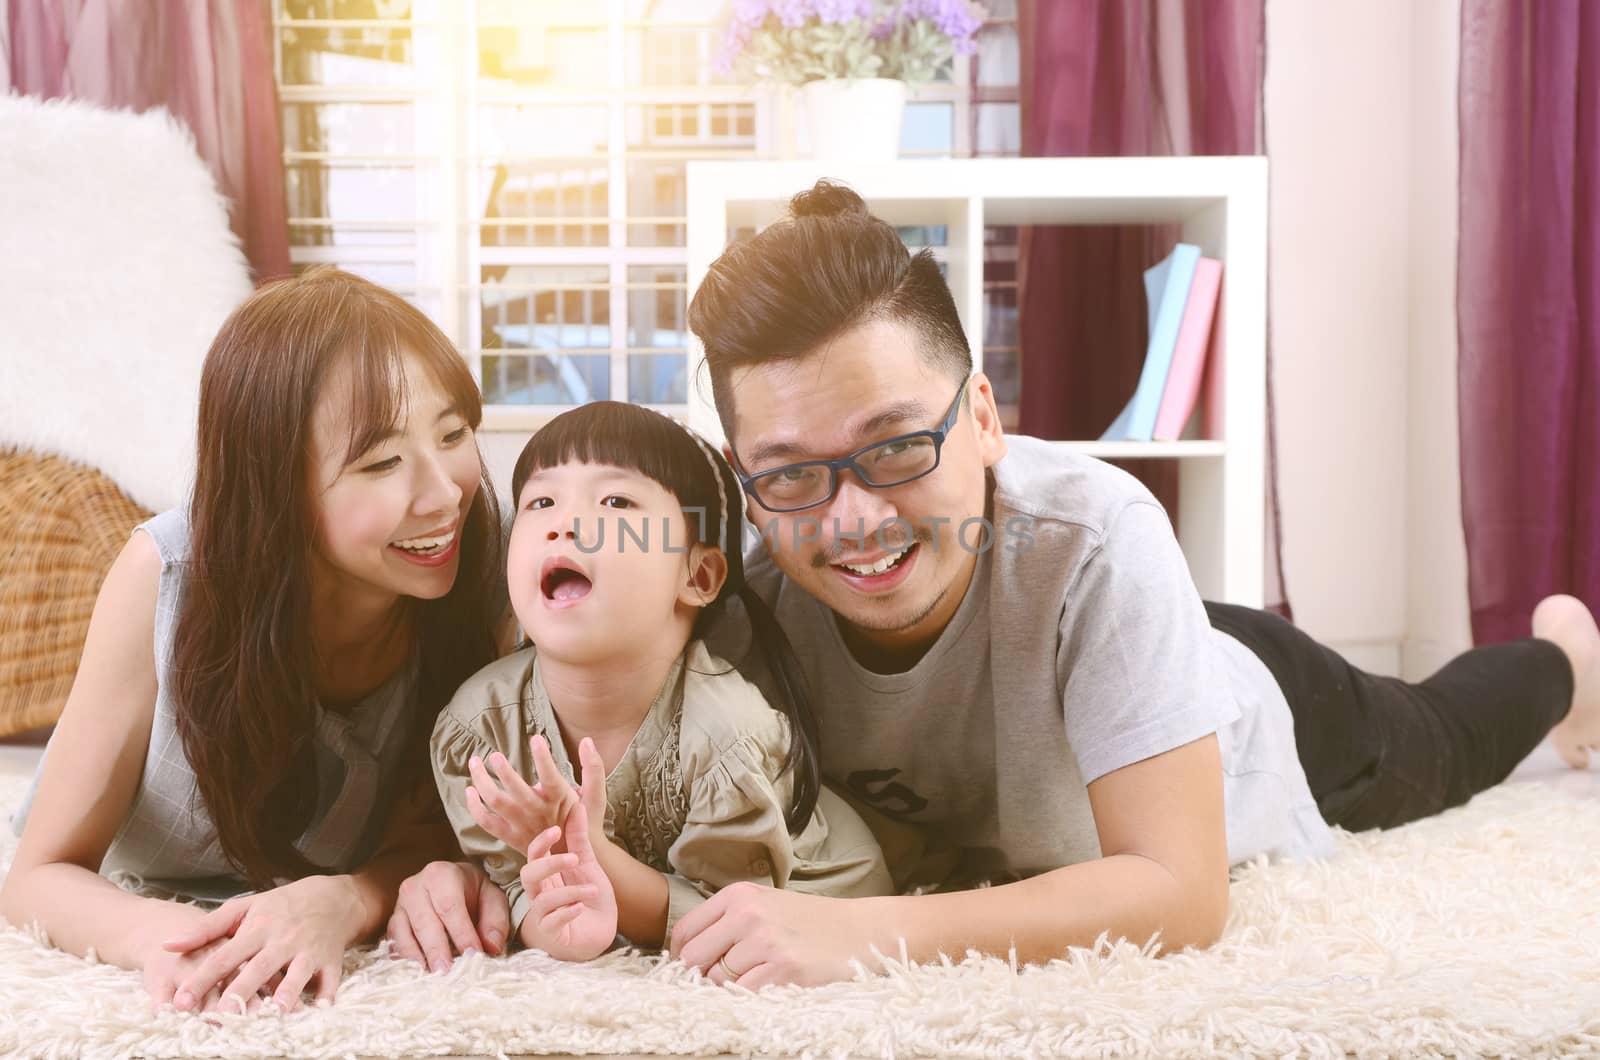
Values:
[(1080, 647)]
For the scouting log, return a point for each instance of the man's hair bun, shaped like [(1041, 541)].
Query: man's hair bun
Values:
[(828, 198)]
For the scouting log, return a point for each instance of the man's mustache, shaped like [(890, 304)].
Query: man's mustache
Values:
[(880, 536)]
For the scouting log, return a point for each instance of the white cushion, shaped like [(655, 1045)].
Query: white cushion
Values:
[(117, 266)]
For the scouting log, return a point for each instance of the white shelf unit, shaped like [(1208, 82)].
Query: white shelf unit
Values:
[(1220, 204)]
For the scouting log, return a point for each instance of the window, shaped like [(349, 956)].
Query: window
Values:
[(515, 168)]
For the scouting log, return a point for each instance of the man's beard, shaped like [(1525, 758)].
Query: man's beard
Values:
[(889, 625)]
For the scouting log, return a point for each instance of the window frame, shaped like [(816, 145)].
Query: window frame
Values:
[(447, 252)]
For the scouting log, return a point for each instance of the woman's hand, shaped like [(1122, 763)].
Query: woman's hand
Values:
[(163, 970), (574, 912), (449, 907), (513, 811), (298, 931)]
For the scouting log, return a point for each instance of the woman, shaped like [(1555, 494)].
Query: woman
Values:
[(330, 585)]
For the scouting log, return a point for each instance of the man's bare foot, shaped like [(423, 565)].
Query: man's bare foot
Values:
[(1565, 621)]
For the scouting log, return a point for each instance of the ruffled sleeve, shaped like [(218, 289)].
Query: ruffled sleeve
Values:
[(735, 828)]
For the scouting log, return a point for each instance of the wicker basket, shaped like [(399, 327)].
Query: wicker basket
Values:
[(61, 526)]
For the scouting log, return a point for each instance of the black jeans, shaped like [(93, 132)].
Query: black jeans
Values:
[(1379, 751)]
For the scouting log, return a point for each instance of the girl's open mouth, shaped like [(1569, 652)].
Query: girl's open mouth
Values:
[(562, 582)]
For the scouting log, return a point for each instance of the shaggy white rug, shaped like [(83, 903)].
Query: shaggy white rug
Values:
[(1476, 933), (117, 266)]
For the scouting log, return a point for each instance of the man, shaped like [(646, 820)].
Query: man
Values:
[(1017, 681)]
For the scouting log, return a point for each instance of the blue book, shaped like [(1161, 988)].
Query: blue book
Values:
[(1166, 288)]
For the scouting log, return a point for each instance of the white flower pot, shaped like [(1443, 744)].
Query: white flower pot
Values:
[(855, 121)]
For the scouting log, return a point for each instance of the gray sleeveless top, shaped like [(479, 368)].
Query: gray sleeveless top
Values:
[(168, 847)]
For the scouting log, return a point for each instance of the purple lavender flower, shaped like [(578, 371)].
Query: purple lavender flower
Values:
[(954, 18), (942, 26), (750, 13), (835, 12), (793, 13), (748, 16)]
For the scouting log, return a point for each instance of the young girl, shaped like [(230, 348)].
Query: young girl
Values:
[(625, 543)]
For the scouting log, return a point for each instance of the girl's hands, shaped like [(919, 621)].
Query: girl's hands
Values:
[(574, 911), (574, 907), (513, 811), (281, 940), (592, 792)]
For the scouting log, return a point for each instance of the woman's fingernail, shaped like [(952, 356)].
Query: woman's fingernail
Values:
[(183, 1001), (495, 941), (438, 966)]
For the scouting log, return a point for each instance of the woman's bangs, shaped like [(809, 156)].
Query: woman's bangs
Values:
[(380, 400)]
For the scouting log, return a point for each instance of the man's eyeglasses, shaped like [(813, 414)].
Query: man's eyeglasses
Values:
[(891, 462)]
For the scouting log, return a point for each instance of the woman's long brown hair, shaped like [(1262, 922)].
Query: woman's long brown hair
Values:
[(242, 657)]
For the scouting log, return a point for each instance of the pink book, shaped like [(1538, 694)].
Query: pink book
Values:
[(1189, 355), (1216, 377)]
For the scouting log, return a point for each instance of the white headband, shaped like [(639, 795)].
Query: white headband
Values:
[(723, 516)]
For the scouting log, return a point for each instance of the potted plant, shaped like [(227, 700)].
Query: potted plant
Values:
[(852, 60)]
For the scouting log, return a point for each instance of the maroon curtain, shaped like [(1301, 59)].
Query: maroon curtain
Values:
[(1124, 77), (1528, 306), (209, 62)]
